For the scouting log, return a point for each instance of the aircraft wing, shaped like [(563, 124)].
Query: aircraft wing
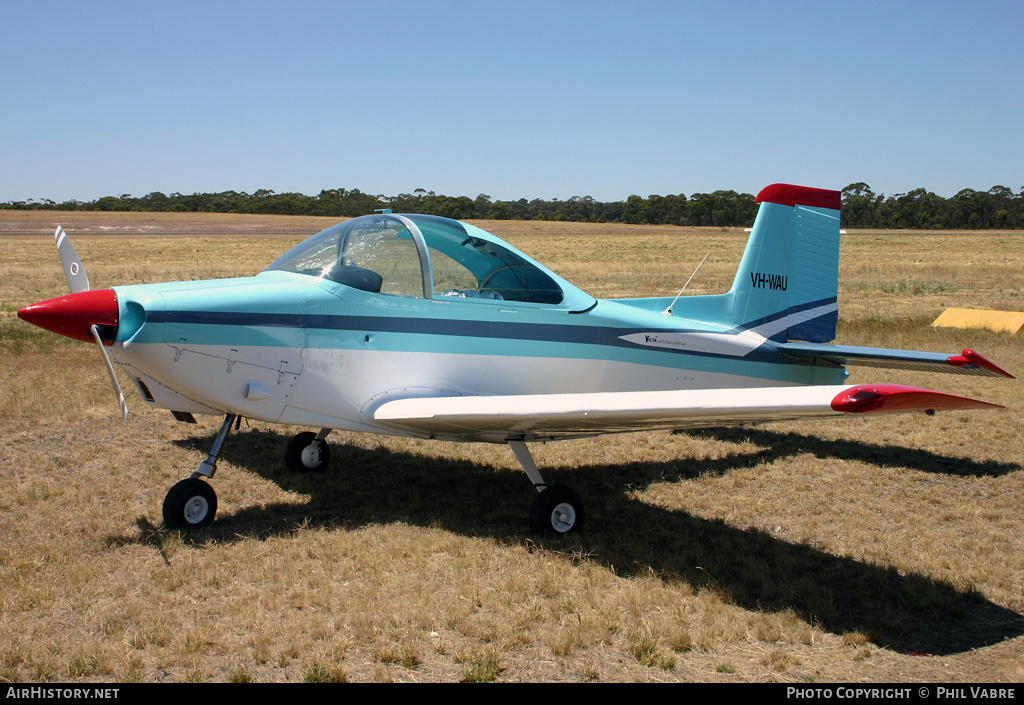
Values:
[(968, 362), (540, 416)]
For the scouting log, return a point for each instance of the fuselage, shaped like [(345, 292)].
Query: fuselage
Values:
[(290, 348)]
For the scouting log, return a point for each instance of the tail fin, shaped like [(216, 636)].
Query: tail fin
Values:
[(788, 278)]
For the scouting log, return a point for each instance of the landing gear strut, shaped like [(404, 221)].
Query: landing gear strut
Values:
[(192, 503), (557, 509)]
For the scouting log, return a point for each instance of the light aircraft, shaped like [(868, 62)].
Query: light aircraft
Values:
[(422, 326)]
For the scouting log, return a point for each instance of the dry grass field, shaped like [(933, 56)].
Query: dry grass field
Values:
[(878, 549)]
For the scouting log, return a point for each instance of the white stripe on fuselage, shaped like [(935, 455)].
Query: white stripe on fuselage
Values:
[(772, 328), (733, 343)]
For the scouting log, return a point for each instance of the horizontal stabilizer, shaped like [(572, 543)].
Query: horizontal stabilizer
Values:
[(966, 363), (559, 415)]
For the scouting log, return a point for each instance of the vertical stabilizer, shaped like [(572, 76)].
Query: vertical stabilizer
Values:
[(788, 278)]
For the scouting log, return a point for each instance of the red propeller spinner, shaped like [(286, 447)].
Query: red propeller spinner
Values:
[(71, 315)]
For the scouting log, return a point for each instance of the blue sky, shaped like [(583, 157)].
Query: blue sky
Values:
[(512, 99)]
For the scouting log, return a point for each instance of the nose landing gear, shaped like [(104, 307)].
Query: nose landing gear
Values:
[(192, 503)]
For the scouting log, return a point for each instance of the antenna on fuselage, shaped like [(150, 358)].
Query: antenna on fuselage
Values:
[(668, 311)]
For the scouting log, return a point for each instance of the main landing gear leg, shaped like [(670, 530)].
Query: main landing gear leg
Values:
[(557, 509), (192, 502), (308, 452)]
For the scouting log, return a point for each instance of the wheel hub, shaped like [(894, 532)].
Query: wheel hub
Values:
[(563, 517), (311, 456), (196, 509)]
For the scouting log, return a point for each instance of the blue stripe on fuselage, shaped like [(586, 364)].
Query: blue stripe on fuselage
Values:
[(547, 332), (457, 336), (529, 332)]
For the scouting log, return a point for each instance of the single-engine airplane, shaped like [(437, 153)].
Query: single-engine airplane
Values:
[(422, 326)]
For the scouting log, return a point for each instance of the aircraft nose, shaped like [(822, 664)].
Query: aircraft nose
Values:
[(72, 314)]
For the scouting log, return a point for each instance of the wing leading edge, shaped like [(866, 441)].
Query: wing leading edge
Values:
[(540, 416)]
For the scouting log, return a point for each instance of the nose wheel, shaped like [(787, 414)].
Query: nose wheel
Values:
[(191, 503)]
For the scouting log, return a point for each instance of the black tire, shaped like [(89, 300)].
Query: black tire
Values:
[(557, 511), (190, 504), (300, 457)]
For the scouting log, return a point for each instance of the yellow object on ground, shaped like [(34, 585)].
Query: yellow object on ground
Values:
[(1009, 321)]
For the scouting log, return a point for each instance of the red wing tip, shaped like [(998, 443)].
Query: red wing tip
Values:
[(969, 357), (896, 398), (790, 195)]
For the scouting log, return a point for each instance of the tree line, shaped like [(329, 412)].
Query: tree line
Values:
[(998, 207)]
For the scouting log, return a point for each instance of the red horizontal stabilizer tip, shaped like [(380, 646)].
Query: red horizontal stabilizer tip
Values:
[(789, 195), (895, 398), (969, 357), (71, 315)]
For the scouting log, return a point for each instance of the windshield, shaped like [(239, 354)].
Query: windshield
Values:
[(421, 256), (375, 253)]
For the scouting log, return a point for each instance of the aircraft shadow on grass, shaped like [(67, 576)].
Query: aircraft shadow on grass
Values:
[(781, 444), (907, 612)]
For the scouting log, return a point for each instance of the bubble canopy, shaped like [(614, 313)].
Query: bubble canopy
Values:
[(429, 257)]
